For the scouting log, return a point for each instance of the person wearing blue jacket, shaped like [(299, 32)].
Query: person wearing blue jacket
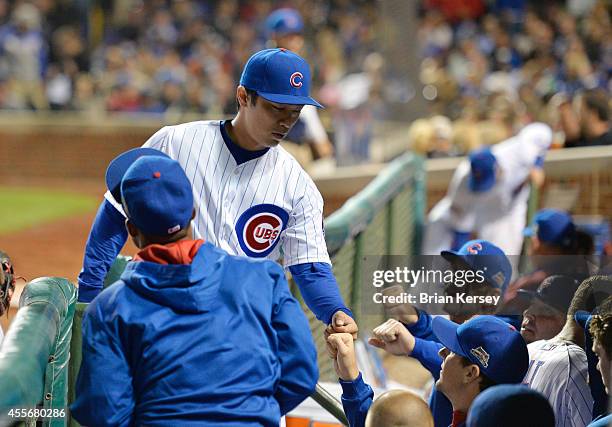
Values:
[(476, 355), (189, 335), (414, 336)]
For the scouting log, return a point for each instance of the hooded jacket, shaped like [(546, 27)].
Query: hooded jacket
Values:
[(216, 342)]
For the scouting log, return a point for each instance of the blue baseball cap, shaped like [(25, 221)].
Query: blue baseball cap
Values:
[(510, 405), (482, 172), (117, 167), (284, 21), (494, 345), (484, 256), (156, 196), (552, 226), (279, 75)]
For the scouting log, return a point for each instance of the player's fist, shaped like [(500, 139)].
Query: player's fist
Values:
[(405, 313), (393, 337), (342, 323), (345, 362)]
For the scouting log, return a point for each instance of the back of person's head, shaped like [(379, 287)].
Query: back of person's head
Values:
[(591, 293), (420, 136), (510, 405), (157, 197), (598, 101), (398, 408)]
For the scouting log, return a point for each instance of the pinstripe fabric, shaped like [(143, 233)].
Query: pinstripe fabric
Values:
[(224, 190), (559, 371)]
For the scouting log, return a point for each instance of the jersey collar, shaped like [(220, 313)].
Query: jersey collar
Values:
[(239, 154)]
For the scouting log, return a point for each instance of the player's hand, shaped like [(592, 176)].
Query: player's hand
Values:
[(405, 313), (342, 323), (393, 337), (345, 362)]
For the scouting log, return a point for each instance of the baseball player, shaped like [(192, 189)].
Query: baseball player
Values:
[(601, 330), (488, 194), (285, 29), (480, 353), (189, 335), (558, 367), (251, 197)]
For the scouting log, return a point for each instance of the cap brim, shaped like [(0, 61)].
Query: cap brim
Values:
[(523, 293), (455, 258), (289, 99), (120, 164), (583, 318), (446, 331)]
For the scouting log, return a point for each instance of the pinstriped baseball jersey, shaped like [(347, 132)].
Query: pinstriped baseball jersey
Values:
[(267, 207), (559, 371)]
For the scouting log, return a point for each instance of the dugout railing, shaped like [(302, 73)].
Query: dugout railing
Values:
[(41, 354)]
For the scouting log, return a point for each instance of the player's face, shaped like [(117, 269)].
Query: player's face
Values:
[(603, 365), (452, 373), (269, 122), (541, 322)]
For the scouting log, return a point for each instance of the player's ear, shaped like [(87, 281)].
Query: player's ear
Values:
[(471, 373), (241, 96)]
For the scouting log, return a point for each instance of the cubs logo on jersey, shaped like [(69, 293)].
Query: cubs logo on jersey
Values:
[(259, 229)]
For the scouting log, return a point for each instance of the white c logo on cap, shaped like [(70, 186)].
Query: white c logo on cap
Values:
[(296, 79)]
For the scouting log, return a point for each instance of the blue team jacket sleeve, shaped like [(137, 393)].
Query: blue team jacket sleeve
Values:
[(296, 349), (426, 352), (422, 328), (319, 289), (106, 238), (459, 239), (104, 394), (357, 398)]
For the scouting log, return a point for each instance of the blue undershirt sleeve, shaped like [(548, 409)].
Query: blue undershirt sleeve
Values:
[(106, 238), (357, 398), (319, 289)]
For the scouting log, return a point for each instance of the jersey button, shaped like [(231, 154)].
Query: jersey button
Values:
[(236, 172)]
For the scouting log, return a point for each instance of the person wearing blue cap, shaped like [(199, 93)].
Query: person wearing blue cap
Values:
[(487, 196), (189, 335), (414, 336), (284, 29), (478, 354), (252, 198), (510, 405), (557, 248)]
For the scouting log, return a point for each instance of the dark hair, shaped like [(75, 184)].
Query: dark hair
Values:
[(597, 100), (601, 329), (252, 95), (485, 382)]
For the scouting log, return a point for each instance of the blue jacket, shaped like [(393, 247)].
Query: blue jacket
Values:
[(218, 342)]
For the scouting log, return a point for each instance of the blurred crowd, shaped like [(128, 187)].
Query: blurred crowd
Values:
[(489, 68), (155, 56)]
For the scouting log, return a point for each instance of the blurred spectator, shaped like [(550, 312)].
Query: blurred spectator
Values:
[(590, 124), (25, 52)]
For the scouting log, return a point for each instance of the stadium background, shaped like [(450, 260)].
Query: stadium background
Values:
[(97, 96)]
